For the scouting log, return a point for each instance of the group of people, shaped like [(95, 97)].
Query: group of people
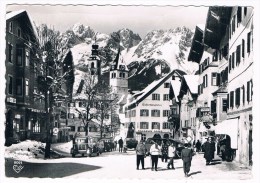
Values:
[(167, 152)]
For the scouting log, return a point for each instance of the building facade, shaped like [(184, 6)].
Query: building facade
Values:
[(24, 103)]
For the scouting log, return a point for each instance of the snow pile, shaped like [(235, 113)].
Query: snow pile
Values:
[(28, 149)]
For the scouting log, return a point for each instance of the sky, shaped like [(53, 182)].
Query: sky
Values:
[(108, 18)]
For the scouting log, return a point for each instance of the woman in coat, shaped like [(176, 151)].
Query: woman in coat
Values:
[(155, 151)]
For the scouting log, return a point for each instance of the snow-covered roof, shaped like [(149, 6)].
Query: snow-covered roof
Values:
[(15, 13), (192, 82), (176, 86), (201, 26)]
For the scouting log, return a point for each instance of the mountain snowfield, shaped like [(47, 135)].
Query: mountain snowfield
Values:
[(159, 52)]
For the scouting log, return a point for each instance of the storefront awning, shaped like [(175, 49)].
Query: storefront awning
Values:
[(229, 127)]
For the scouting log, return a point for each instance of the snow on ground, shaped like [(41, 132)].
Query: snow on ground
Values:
[(64, 147), (28, 149)]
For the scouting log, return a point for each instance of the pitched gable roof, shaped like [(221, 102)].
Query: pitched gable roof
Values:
[(151, 88), (189, 83)]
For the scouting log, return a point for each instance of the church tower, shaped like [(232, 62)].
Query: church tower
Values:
[(119, 76), (94, 62)]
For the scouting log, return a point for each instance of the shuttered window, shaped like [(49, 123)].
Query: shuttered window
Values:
[(237, 97), (238, 55), (232, 99), (248, 42), (243, 48)]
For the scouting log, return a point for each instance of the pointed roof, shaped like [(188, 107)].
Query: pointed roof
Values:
[(197, 46), (24, 16), (139, 97), (119, 62), (175, 89), (218, 19), (189, 83)]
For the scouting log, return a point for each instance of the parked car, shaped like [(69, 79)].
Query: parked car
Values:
[(83, 147), (178, 144)]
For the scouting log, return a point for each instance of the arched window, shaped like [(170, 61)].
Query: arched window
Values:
[(92, 65)]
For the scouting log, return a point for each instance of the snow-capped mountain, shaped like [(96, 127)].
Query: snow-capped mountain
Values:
[(148, 59)]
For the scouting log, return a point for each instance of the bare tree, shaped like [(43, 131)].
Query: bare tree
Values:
[(56, 74), (98, 101)]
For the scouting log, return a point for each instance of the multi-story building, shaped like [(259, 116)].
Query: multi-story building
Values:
[(149, 109), (240, 84), (24, 104), (188, 96)]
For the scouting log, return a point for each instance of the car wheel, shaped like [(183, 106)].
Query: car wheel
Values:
[(73, 155)]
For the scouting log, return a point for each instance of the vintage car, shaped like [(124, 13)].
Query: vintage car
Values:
[(82, 146), (178, 144)]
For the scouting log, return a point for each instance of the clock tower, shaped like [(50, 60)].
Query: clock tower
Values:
[(94, 62), (119, 76)]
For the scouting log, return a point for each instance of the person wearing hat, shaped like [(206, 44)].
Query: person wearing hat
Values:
[(140, 154), (186, 156)]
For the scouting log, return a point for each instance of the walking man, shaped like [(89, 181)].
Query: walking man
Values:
[(140, 154), (120, 142), (186, 156), (171, 154), (209, 151), (198, 146)]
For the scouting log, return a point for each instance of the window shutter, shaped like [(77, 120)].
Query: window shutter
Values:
[(229, 64), (227, 100), (239, 15), (243, 48), (233, 60), (213, 106), (248, 42), (248, 90), (238, 55), (218, 79)]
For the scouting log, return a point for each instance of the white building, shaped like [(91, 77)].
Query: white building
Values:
[(149, 109)]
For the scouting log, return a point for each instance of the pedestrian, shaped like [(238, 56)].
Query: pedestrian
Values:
[(115, 144), (120, 142), (198, 146), (140, 154), (186, 156), (164, 151), (208, 151), (171, 154), (155, 151), (213, 147)]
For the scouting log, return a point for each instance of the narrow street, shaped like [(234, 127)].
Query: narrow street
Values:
[(113, 165)]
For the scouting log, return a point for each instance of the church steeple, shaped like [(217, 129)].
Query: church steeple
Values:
[(94, 60)]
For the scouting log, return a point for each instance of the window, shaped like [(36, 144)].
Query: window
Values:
[(11, 27), (232, 99), (245, 11), (239, 15), (243, 94), (155, 96), (234, 24), (174, 111), (243, 48), (19, 86), (26, 87), (214, 79), (229, 64), (166, 113), (248, 42), (10, 84), (205, 81), (215, 56), (92, 65), (166, 97), (249, 91), (238, 55), (133, 113), (144, 125), (155, 125), (144, 112), (166, 125), (36, 127), (72, 128), (237, 97), (122, 75), (233, 60), (19, 32), (27, 58), (19, 54), (156, 113), (10, 53), (81, 129), (224, 105), (213, 106), (70, 115), (166, 85)]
